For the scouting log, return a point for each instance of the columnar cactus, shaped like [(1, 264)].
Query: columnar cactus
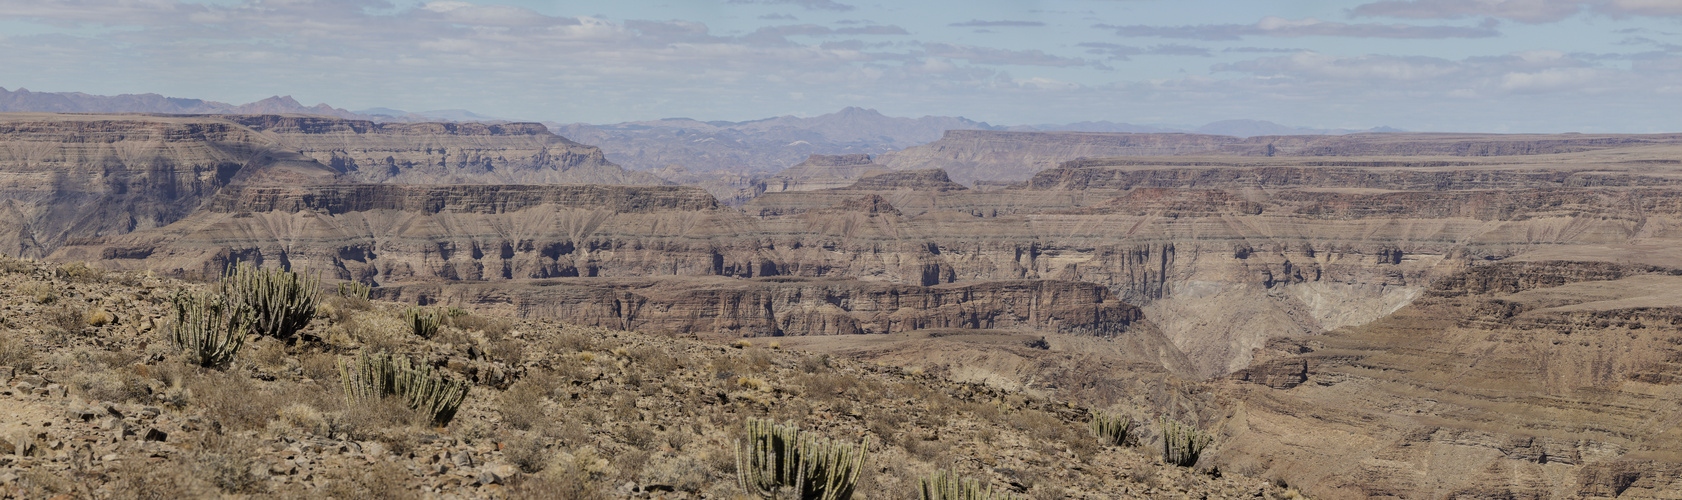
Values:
[(424, 322), (282, 301), (946, 485), (208, 329), (373, 376), (781, 459), (1182, 444), (354, 290), (1112, 429)]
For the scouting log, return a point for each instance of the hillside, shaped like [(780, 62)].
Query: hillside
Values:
[(101, 405)]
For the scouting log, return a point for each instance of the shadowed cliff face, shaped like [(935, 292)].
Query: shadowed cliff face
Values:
[(64, 177)]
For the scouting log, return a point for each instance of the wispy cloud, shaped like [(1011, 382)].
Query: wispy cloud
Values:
[(1288, 28), (977, 23), (983, 55), (808, 4), (1125, 52), (1524, 11)]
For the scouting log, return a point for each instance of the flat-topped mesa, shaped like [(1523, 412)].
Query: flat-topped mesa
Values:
[(821, 172), (1434, 144), (477, 199), (873, 205), (442, 153), (1123, 174), (971, 155), (933, 179)]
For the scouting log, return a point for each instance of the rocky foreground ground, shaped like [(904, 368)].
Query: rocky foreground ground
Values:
[(97, 405)]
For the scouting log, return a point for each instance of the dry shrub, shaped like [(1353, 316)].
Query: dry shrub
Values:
[(679, 472), (510, 351), (378, 332), (570, 340), (41, 293), (759, 360), (387, 420), (80, 272), (379, 481), (10, 265), (71, 318), (226, 462), (492, 328), (269, 353), (815, 363), (528, 452), (15, 350), (521, 405), (627, 465), (320, 366), (233, 400), (560, 482), (140, 480), (109, 384), (303, 417), (640, 436)]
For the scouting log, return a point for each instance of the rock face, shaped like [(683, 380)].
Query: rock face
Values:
[(1550, 379), (721, 308), (79, 176)]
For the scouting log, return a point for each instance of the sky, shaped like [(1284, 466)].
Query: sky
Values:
[(1422, 65)]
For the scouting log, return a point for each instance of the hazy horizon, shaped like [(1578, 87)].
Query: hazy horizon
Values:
[(1423, 65)]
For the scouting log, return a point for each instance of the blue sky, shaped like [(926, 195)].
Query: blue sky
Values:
[(1440, 65)]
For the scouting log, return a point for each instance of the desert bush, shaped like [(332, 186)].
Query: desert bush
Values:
[(282, 302), (109, 384), (528, 452), (522, 404), (680, 473), (1112, 429), (947, 485), (71, 318), (782, 456), (759, 360), (41, 293), (383, 375), (15, 350), (1182, 444), (207, 329), (424, 322), (78, 271)]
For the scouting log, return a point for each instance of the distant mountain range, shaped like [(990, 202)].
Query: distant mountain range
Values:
[(757, 146), (77, 102)]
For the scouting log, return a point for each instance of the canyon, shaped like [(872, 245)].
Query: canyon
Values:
[(1363, 316)]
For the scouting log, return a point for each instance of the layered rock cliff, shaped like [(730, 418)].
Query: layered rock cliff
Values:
[(970, 155), (64, 177)]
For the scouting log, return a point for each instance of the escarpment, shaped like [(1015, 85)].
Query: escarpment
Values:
[(70, 176), (442, 153)]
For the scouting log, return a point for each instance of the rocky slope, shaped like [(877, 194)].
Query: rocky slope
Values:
[(1551, 379), (105, 408)]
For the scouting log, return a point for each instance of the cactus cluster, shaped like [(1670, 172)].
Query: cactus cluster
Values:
[(946, 485), (282, 302), (1113, 429), (1181, 443), (424, 322), (378, 375), (781, 460), (209, 329), (354, 290)]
